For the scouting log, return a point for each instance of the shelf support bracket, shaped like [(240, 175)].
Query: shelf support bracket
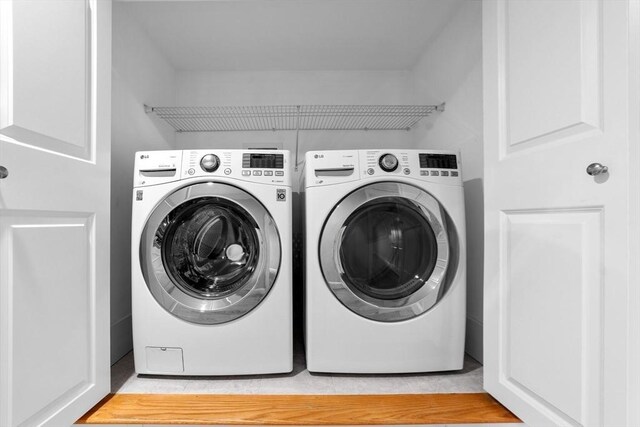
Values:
[(148, 109), (297, 135)]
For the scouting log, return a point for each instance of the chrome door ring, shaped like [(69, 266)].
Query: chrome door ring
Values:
[(211, 311), (329, 248)]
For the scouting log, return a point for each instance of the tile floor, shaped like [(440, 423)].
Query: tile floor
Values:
[(300, 381)]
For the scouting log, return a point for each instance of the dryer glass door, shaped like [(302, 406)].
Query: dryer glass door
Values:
[(384, 251), (210, 253), (388, 248)]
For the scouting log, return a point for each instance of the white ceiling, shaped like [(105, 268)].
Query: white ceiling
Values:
[(292, 34)]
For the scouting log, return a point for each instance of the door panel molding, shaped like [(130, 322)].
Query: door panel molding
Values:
[(28, 115), (584, 102), (576, 398), (21, 232)]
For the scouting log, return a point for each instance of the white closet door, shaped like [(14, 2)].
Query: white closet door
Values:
[(55, 65), (556, 88)]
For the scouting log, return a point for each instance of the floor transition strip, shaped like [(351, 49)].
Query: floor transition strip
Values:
[(235, 409)]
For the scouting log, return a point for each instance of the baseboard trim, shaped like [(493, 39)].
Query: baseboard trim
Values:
[(212, 409), (121, 338)]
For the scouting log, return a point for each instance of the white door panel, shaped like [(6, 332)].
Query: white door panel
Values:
[(556, 100), (54, 209), (633, 409)]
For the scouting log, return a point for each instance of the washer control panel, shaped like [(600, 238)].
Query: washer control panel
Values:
[(269, 167), (385, 162), (157, 167), (388, 162), (210, 163)]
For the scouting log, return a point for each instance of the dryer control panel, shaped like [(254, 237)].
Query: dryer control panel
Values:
[(331, 167), (336, 166), (439, 166)]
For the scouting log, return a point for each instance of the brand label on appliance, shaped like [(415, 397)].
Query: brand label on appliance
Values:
[(139, 195), (281, 194)]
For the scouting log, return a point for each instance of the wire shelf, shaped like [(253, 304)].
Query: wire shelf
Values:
[(294, 117)]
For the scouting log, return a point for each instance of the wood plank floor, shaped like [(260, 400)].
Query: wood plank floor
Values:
[(212, 409)]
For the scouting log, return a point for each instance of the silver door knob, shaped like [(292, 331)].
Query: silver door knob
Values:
[(4, 172), (596, 169)]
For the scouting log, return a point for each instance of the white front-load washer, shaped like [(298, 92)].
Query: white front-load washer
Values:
[(385, 282), (211, 262)]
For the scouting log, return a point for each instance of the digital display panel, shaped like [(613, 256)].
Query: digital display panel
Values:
[(262, 161), (438, 161)]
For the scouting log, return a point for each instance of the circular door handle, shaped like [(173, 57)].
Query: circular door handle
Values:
[(4, 172), (596, 169)]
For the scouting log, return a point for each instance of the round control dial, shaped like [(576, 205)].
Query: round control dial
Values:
[(210, 163), (388, 162)]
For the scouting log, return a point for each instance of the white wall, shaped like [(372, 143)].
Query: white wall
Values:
[(451, 70), (293, 88), (140, 75)]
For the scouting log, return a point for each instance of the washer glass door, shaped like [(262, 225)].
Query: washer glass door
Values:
[(210, 253), (384, 251)]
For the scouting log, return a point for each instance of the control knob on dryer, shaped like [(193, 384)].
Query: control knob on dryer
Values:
[(388, 162), (209, 163)]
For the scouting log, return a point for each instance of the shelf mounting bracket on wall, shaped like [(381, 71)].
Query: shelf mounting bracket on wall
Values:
[(297, 137)]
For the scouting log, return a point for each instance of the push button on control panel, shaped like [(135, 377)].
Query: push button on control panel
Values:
[(227, 171), (257, 173), (279, 173), (370, 171), (246, 173), (406, 171), (268, 173), (439, 173)]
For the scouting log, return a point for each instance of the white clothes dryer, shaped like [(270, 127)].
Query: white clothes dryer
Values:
[(385, 282), (211, 262)]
